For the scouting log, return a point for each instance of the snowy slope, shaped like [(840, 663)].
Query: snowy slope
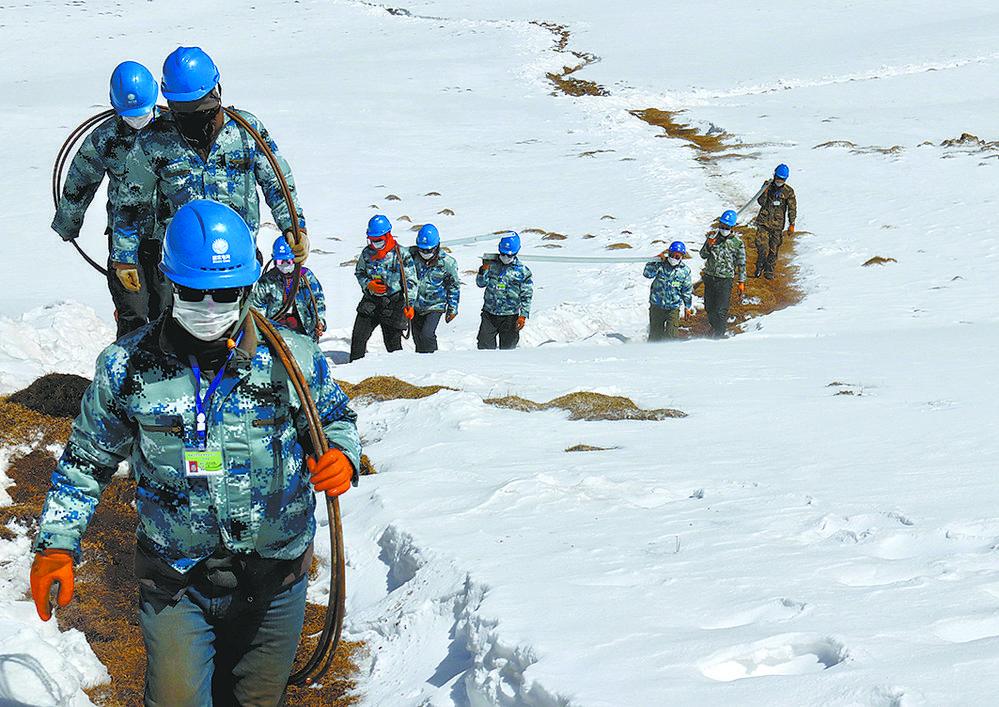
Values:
[(790, 541)]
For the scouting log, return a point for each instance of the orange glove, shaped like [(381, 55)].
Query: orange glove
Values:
[(49, 567), (711, 241), (521, 321), (691, 312), (332, 473), (790, 228), (449, 317), (742, 288), (377, 287), (483, 267), (409, 313)]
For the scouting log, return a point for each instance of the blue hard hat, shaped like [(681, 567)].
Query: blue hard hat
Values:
[(188, 74), (678, 247), (133, 89), (782, 172), (428, 237), (378, 226), (208, 246), (729, 218), (510, 245), (282, 251)]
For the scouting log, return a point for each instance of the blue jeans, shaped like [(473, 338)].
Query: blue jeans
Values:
[(204, 651)]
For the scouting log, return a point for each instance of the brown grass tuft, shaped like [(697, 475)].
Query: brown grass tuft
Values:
[(381, 388), (879, 260), (665, 119), (619, 246), (587, 405), (563, 80), (19, 425), (588, 448)]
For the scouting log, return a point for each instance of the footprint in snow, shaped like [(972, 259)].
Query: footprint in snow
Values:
[(786, 654)]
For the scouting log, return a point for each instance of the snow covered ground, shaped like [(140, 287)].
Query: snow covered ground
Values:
[(819, 530)]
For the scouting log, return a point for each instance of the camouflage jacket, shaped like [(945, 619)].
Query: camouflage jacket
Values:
[(440, 285), (775, 206), (271, 289), (103, 152), (165, 172), (671, 286), (726, 258), (387, 270), (509, 288), (140, 407)]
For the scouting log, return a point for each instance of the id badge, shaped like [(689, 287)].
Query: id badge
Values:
[(777, 203), (203, 463)]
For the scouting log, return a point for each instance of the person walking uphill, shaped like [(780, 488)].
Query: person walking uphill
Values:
[(105, 152), (197, 152), (440, 288), (307, 315), (509, 289), (225, 504), (671, 291), (777, 205), (389, 287), (725, 261)]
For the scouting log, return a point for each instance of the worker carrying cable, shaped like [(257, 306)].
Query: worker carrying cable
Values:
[(104, 153), (506, 305), (777, 206), (724, 262), (225, 504), (307, 314), (197, 151), (439, 290), (671, 292), (389, 288)]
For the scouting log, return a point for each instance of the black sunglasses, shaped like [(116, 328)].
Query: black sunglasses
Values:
[(223, 296)]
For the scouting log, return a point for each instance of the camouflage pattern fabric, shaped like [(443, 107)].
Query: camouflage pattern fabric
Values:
[(671, 286), (509, 288), (140, 407), (387, 270), (776, 205), (165, 172), (440, 285), (270, 291), (726, 258)]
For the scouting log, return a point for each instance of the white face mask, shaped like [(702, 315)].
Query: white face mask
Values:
[(673, 261), (207, 320), (286, 266), (506, 259), (428, 254), (138, 122), (377, 245)]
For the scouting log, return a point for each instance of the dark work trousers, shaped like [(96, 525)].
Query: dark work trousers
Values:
[(503, 326), (663, 323), (767, 248), (133, 309), (717, 297), (425, 331), (373, 312)]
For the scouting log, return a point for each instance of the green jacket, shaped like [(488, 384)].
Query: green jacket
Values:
[(776, 205), (726, 258), (165, 172), (140, 408), (440, 285), (104, 152), (271, 289), (509, 288), (387, 270)]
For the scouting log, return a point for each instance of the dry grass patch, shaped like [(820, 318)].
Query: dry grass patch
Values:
[(619, 246), (714, 142), (588, 448), (878, 260), (563, 80), (382, 388), (587, 405)]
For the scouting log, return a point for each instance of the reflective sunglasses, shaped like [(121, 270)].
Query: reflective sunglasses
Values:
[(227, 295)]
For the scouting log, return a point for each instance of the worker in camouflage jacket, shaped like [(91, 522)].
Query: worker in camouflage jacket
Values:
[(440, 288), (307, 314), (778, 206), (724, 263), (197, 152), (206, 415), (389, 288), (506, 305), (671, 291), (104, 152)]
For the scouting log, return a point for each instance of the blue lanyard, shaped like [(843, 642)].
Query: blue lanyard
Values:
[(201, 418)]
